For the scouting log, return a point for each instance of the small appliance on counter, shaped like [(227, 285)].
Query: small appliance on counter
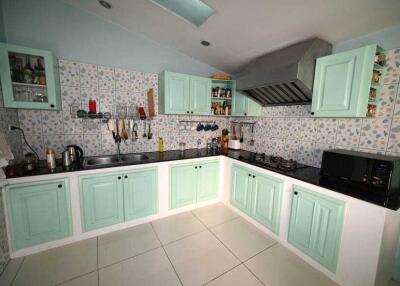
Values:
[(234, 144), (372, 177), (75, 152), (235, 140)]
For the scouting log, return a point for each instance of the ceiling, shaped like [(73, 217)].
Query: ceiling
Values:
[(242, 30)]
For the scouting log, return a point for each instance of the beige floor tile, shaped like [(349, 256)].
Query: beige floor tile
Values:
[(242, 238), (151, 269), (58, 265), (116, 246), (238, 276), (86, 280), (177, 226), (11, 270), (200, 258), (214, 214), (278, 266)]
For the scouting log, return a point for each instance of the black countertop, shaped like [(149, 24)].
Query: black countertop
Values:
[(307, 174)]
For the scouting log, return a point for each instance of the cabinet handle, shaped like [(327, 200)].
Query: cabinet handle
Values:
[(119, 177), (126, 177), (52, 105), (312, 112), (245, 114), (296, 193), (254, 176), (59, 186), (195, 167), (249, 175), (200, 167), (187, 111), (191, 112)]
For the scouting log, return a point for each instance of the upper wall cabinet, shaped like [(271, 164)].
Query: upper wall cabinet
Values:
[(348, 84), (245, 106), (184, 94), (29, 78)]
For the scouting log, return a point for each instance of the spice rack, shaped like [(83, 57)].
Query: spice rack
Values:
[(376, 81), (222, 92)]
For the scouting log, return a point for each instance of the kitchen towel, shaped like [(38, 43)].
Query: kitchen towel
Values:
[(5, 151)]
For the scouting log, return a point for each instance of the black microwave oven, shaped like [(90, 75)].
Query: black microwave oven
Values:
[(361, 174)]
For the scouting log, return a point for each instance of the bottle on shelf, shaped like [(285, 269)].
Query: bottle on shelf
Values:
[(92, 106), (28, 72), (160, 144)]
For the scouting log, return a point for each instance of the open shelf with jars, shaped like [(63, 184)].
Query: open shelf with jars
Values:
[(376, 81), (29, 78), (222, 92)]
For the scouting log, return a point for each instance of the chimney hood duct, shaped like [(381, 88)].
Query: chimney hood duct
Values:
[(283, 77)]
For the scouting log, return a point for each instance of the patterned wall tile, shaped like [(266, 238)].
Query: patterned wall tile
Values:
[(308, 129), (122, 79), (306, 153), (386, 100), (374, 133), (319, 150), (56, 142), (69, 73), (52, 122), (326, 130), (72, 125), (394, 138), (137, 82), (106, 77), (30, 121), (73, 139), (348, 132), (92, 145), (396, 112), (88, 75), (70, 95), (292, 128)]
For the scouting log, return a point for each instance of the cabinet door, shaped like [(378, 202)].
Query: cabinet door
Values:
[(101, 200), (39, 212), (267, 201), (200, 95), (241, 188), (176, 93), (239, 104), (140, 193), (18, 93), (253, 107), (208, 181), (316, 224), (183, 185), (341, 84)]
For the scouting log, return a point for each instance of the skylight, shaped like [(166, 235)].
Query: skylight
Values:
[(194, 11)]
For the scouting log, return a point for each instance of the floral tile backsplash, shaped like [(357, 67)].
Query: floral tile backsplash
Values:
[(288, 131)]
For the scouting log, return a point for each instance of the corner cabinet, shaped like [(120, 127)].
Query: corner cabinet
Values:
[(245, 106), (184, 94), (348, 84), (191, 183), (38, 212), (257, 195), (108, 199), (29, 78), (316, 224)]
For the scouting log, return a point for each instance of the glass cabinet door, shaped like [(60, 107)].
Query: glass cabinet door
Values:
[(29, 78)]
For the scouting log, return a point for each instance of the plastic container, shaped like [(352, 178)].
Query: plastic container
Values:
[(51, 158)]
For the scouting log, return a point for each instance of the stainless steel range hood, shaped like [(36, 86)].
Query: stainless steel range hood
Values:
[(283, 77)]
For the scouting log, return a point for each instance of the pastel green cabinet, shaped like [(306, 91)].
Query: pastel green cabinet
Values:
[(108, 199), (102, 202), (184, 94), (267, 201), (191, 183), (316, 224), (174, 93), (243, 105), (140, 193), (257, 195), (343, 81), (241, 184), (38, 87), (208, 181), (38, 212), (200, 92)]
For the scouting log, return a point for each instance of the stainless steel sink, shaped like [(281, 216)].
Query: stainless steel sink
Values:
[(133, 157), (99, 161), (113, 159)]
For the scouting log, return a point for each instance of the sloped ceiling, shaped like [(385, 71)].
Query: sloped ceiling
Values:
[(244, 29)]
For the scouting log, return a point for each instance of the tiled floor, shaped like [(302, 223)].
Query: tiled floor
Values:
[(209, 246)]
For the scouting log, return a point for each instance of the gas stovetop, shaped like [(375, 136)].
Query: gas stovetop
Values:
[(278, 162)]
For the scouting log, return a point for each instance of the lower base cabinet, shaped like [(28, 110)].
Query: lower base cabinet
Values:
[(191, 183), (108, 199), (316, 224), (38, 212), (257, 195)]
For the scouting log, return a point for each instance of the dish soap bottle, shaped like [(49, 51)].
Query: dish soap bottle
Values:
[(160, 144)]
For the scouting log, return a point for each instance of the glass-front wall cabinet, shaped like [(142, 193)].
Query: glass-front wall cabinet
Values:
[(29, 78)]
